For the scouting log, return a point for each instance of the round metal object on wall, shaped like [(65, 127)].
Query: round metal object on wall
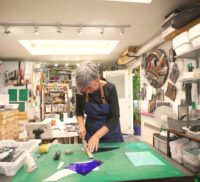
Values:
[(157, 68)]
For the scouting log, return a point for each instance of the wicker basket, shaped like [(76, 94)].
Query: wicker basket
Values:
[(177, 125)]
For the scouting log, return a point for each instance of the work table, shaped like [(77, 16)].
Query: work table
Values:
[(116, 165)]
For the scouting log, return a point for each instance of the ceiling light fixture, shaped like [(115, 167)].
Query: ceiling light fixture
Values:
[(59, 27), (122, 31), (56, 65), (36, 30), (66, 64), (7, 29), (79, 30), (133, 1), (102, 30)]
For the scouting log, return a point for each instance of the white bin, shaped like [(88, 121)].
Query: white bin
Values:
[(194, 35)]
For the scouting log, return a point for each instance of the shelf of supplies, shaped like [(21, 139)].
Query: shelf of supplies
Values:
[(193, 53), (191, 80), (50, 103), (52, 112)]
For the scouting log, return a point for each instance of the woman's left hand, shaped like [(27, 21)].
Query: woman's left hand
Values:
[(93, 143)]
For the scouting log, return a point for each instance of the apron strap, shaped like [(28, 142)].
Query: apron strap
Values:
[(102, 96), (87, 98), (102, 93)]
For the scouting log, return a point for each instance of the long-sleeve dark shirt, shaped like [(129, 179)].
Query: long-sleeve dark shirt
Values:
[(111, 97)]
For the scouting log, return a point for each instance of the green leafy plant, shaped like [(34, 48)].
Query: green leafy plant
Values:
[(137, 118), (136, 84)]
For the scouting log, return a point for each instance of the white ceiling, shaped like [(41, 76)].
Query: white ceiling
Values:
[(145, 21)]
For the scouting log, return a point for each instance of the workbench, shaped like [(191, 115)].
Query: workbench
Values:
[(116, 165)]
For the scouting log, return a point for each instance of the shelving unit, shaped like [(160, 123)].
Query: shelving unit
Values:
[(55, 99)]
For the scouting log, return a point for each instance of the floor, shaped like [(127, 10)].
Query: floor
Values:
[(131, 138)]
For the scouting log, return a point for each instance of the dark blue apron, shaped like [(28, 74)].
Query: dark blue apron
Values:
[(97, 116)]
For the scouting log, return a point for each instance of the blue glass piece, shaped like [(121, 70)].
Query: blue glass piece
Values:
[(84, 167)]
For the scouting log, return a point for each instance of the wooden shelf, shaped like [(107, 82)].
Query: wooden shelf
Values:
[(190, 80), (183, 29)]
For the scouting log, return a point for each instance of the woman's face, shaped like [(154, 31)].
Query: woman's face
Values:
[(94, 85)]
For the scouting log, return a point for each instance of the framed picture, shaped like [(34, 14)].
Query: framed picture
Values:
[(172, 55)]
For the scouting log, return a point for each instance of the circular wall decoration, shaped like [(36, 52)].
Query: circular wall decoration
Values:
[(157, 68)]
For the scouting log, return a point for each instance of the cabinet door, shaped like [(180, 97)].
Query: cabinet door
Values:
[(122, 82)]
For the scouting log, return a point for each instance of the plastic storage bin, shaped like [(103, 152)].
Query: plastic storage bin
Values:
[(176, 149), (191, 154), (160, 142), (181, 43), (194, 35), (11, 168)]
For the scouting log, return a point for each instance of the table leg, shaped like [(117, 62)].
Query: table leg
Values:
[(75, 140), (168, 139)]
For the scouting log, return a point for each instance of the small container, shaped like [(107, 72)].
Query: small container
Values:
[(30, 164)]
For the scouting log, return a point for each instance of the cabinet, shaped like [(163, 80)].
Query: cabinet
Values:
[(9, 124)]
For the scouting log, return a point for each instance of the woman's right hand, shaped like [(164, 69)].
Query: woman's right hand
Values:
[(82, 132)]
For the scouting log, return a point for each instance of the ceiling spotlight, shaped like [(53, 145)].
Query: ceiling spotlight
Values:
[(36, 32), (98, 64), (102, 31), (122, 31), (77, 65), (79, 30), (66, 64), (56, 65), (7, 29), (59, 29)]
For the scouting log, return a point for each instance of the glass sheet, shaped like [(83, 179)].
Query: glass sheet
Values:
[(143, 158), (84, 167)]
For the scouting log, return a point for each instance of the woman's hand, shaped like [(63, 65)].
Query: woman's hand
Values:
[(82, 133), (93, 143)]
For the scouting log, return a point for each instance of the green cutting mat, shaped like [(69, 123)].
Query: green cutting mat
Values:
[(116, 166)]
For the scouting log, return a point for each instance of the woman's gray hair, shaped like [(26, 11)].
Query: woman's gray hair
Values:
[(86, 73)]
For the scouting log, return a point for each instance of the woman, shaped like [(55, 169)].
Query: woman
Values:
[(98, 100)]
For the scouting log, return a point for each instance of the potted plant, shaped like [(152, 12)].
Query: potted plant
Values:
[(137, 122)]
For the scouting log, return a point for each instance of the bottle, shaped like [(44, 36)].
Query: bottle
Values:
[(29, 164)]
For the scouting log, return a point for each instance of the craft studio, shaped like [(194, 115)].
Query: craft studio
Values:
[(99, 90)]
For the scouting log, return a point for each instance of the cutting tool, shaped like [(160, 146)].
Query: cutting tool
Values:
[(90, 155)]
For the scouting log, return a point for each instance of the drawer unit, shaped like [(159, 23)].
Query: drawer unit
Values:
[(9, 124)]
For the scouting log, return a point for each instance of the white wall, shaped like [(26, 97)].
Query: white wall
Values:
[(149, 124)]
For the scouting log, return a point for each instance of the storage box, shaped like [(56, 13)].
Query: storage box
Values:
[(195, 134), (11, 168), (48, 108), (194, 35), (181, 43), (191, 159), (176, 149), (160, 142)]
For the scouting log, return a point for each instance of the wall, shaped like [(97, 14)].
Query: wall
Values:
[(149, 124)]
